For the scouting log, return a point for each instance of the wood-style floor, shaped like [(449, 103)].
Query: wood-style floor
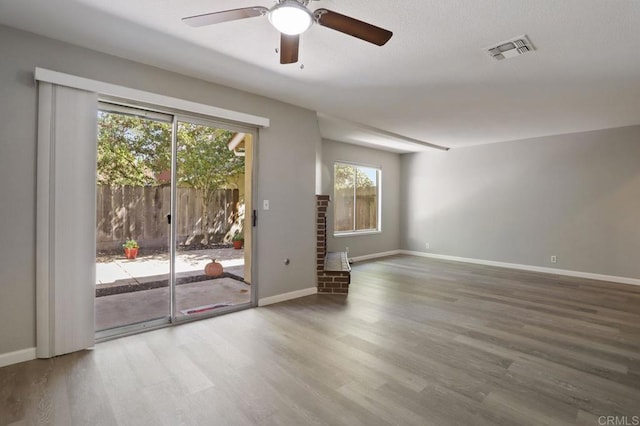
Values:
[(416, 342)]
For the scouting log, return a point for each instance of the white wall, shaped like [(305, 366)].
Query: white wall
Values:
[(286, 174), (575, 196), (389, 238)]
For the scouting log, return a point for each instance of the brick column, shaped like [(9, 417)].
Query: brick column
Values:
[(322, 202), (333, 273)]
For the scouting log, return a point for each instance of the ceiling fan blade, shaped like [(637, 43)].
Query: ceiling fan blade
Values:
[(289, 45), (353, 27), (225, 16)]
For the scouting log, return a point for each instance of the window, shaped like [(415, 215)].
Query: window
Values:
[(356, 195)]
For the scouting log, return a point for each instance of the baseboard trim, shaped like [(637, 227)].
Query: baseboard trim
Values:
[(375, 255), (17, 356), (287, 296), (565, 272)]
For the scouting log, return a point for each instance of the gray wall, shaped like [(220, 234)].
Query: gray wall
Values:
[(575, 196), (286, 175), (389, 238)]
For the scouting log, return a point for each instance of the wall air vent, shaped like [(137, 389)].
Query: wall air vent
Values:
[(511, 48)]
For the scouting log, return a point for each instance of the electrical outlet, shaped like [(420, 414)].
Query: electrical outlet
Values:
[(346, 249), (426, 245), (554, 259), (265, 204)]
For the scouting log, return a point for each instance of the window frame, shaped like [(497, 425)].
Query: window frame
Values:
[(353, 232)]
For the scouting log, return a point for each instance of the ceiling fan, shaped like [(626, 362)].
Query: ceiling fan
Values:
[(292, 18)]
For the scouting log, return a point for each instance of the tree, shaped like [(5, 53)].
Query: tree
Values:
[(132, 150), (344, 177), (206, 163)]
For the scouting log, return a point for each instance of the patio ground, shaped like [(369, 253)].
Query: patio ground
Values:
[(118, 270), (133, 306)]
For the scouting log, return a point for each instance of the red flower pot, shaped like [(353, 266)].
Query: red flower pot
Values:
[(237, 244), (131, 253)]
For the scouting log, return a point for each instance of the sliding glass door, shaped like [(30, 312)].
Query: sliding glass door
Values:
[(210, 201), (133, 199), (172, 196)]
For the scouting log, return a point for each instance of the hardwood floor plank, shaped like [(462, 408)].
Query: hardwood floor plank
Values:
[(588, 392), (386, 410), (87, 397), (586, 419), (146, 365), (11, 404), (122, 387), (530, 411), (583, 342), (442, 406)]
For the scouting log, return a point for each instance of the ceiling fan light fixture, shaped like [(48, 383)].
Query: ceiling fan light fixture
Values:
[(290, 17)]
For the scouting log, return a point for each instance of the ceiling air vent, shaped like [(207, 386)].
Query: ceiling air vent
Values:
[(511, 48)]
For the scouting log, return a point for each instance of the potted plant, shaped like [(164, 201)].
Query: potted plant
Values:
[(131, 249), (238, 241)]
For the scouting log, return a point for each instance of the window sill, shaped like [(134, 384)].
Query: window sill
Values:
[(355, 233)]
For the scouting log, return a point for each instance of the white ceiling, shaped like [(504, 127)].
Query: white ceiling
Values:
[(432, 82)]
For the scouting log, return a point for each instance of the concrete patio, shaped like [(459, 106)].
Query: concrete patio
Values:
[(117, 269), (140, 291)]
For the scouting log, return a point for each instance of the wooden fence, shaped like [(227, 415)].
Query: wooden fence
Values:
[(140, 212), (366, 209)]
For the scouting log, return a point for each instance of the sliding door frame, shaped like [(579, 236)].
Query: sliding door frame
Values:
[(122, 105)]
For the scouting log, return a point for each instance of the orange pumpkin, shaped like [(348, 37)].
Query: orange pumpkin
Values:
[(213, 269)]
